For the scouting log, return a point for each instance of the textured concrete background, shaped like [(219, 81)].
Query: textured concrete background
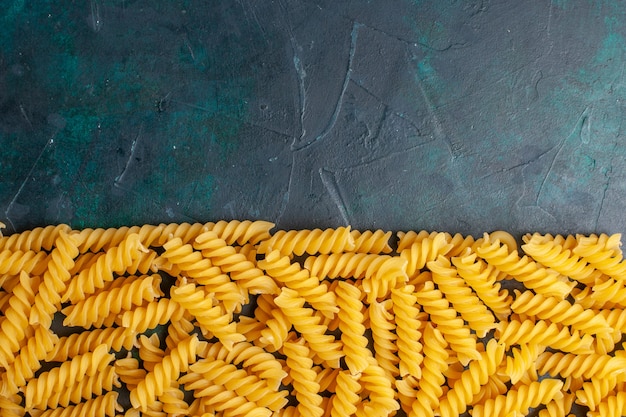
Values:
[(442, 115)]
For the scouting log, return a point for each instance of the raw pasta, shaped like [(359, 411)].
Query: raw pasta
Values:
[(229, 319)]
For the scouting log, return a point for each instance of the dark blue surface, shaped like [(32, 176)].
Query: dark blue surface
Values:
[(457, 116)]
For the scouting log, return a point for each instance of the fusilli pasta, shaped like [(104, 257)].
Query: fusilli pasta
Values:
[(229, 319)]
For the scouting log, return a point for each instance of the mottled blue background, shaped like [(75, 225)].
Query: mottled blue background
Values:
[(462, 116)]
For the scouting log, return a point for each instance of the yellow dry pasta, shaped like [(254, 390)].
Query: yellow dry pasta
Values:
[(229, 318)]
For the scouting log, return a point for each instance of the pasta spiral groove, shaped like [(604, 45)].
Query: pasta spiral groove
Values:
[(155, 383), (54, 279), (405, 309), (116, 260), (543, 281), (304, 383), (308, 324), (477, 374), (299, 242), (447, 321), (550, 308), (352, 328)]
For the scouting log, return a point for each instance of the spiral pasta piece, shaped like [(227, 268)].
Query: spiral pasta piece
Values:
[(177, 361), (306, 388), (544, 281), (28, 361), (314, 241), (406, 239), (216, 377), (96, 240), (10, 406), (152, 315), (343, 265), (105, 380), (558, 407), (447, 321), (276, 329), (194, 265), (589, 365), (49, 297), (482, 278), (613, 405), (610, 292), (594, 391), (15, 262), (241, 232), (384, 337), (128, 371), (464, 390), (352, 329), (430, 385), (527, 331), (371, 242), (177, 331), (253, 358), (211, 317), (462, 298), (377, 284), (460, 244), (406, 311), (294, 277), (116, 260), (14, 327), (150, 351), (547, 251), (241, 270), (381, 394), (520, 400), (308, 324), (40, 389), (79, 343), (345, 398), (521, 360), (173, 400), (603, 253), (94, 309), (550, 308), (101, 406), (37, 239), (424, 251)]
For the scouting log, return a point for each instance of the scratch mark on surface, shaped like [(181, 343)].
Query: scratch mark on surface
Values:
[(508, 169), (285, 202), (339, 102), (133, 148), (268, 129), (559, 147), (438, 131), (28, 176), (410, 42), (300, 76), (297, 63), (25, 116), (549, 25), (607, 174), (387, 156), (353, 40), (244, 7), (189, 48), (95, 18), (585, 128), (330, 182)]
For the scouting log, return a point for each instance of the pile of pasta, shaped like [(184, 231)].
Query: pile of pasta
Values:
[(232, 319)]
